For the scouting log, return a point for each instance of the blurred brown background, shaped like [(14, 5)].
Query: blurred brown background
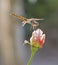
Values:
[(12, 34)]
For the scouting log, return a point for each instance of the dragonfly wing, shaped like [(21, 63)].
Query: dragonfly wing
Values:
[(36, 19), (23, 23)]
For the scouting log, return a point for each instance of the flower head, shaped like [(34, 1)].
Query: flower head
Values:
[(38, 38)]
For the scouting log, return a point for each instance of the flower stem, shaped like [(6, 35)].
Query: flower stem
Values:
[(33, 51)]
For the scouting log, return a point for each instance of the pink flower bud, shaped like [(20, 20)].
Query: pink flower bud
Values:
[(38, 38)]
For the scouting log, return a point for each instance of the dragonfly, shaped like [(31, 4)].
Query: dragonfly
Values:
[(32, 21)]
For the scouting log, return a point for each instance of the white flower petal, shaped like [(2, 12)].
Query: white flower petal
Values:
[(39, 32), (43, 36), (31, 39)]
